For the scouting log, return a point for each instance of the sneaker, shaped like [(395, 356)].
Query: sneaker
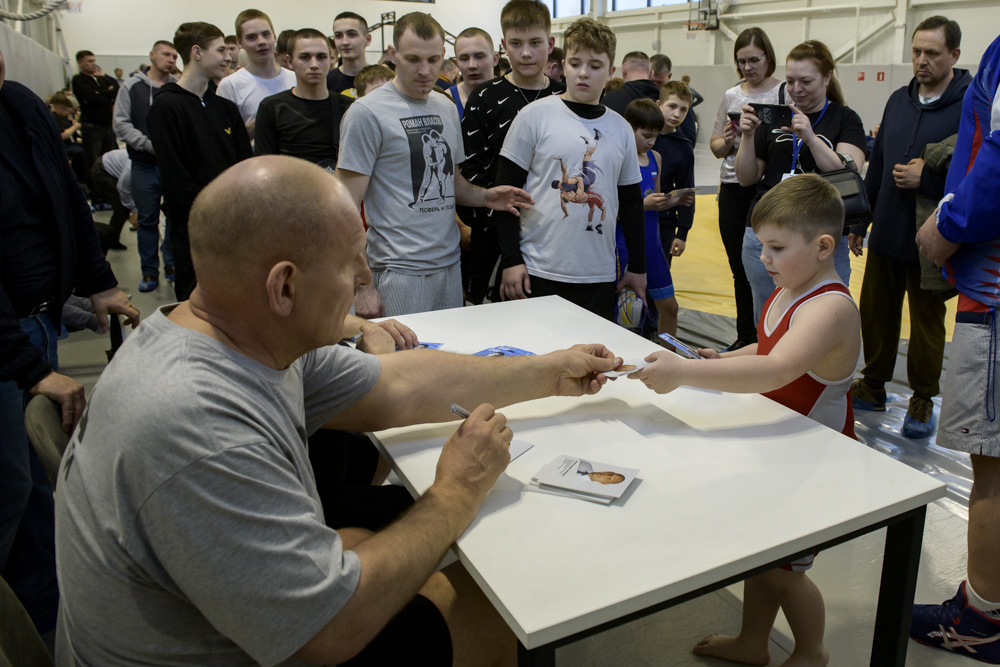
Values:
[(168, 273), (863, 397), (957, 627), (919, 421), (149, 283)]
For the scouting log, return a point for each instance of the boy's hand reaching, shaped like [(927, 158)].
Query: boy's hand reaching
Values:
[(662, 373)]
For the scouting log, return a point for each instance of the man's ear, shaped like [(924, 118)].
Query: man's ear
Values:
[(391, 50), (611, 71), (552, 44), (496, 58), (280, 287), (368, 40)]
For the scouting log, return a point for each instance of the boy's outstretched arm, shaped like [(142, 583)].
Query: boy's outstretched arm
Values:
[(824, 338)]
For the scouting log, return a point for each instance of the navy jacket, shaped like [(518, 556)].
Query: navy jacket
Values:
[(676, 171), (618, 100), (81, 262), (908, 126)]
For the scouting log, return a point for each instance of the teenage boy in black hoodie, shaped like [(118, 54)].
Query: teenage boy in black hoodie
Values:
[(196, 135), (924, 112)]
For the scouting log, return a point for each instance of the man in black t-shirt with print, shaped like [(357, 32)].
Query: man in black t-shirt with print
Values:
[(304, 122)]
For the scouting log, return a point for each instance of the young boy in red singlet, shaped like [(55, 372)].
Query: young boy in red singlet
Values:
[(809, 340)]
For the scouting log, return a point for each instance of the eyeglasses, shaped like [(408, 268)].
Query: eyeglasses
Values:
[(740, 62)]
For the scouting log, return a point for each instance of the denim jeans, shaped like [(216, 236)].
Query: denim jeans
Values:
[(761, 284), (147, 193), (27, 511)]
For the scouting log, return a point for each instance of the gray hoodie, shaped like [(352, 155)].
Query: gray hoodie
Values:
[(131, 109)]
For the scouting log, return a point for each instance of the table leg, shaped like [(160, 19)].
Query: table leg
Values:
[(543, 656), (899, 583)]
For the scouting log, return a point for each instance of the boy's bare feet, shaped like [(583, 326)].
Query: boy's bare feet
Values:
[(735, 650), (808, 661)]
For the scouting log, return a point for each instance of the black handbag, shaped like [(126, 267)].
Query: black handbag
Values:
[(851, 187)]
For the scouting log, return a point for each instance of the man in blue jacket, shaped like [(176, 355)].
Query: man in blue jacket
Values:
[(48, 247), (963, 237), (924, 112)]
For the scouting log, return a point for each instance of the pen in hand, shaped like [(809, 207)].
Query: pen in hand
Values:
[(460, 411)]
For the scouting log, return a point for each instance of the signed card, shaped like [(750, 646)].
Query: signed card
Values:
[(628, 366)]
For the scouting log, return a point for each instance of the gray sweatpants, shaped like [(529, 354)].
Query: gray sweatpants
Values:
[(405, 293)]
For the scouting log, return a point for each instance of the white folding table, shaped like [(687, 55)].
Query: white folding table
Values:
[(730, 485)]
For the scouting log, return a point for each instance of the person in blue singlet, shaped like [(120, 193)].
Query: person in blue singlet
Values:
[(646, 120)]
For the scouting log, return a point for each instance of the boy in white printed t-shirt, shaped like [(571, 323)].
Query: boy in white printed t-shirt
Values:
[(579, 162), (263, 76)]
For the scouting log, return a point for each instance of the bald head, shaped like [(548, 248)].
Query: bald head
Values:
[(267, 210)]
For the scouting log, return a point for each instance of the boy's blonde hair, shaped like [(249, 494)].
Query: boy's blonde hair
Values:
[(525, 15), (586, 33), (805, 204), (675, 88), (372, 74)]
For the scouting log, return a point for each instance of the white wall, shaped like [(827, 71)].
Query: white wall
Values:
[(130, 27), (29, 63)]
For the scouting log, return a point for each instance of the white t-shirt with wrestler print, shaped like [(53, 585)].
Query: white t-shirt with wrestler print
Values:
[(578, 245)]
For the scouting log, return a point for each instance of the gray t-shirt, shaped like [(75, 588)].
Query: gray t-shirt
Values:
[(409, 148), (188, 525)]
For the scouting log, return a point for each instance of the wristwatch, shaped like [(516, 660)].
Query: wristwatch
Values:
[(848, 161)]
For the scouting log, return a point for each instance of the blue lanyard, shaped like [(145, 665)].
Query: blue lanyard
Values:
[(797, 143)]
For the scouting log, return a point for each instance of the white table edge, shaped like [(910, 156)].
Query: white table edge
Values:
[(570, 627)]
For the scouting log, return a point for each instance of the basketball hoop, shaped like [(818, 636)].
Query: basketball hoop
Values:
[(694, 26)]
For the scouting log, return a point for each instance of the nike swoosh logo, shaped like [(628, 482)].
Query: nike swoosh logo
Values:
[(469, 134), (502, 101), (502, 124)]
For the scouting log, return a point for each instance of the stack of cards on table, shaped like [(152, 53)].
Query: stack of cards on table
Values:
[(586, 480)]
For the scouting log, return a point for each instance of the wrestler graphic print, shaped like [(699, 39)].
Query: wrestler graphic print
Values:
[(432, 167), (578, 188)]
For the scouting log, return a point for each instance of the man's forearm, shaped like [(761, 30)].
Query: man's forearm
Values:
[(395, 564), (432, 382), (467, 194), (421, 385)]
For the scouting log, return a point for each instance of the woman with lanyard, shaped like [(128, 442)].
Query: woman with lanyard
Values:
[(824, 135), (755, 64)]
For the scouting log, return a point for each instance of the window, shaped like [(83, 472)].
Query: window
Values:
[(621, 5), (564, 8)]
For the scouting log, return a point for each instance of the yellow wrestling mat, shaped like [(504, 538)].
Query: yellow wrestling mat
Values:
[(703, 281)]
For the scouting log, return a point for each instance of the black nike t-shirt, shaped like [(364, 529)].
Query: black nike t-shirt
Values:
[(307, 129)]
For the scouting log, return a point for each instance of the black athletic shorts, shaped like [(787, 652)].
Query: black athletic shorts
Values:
[(416, 637)]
